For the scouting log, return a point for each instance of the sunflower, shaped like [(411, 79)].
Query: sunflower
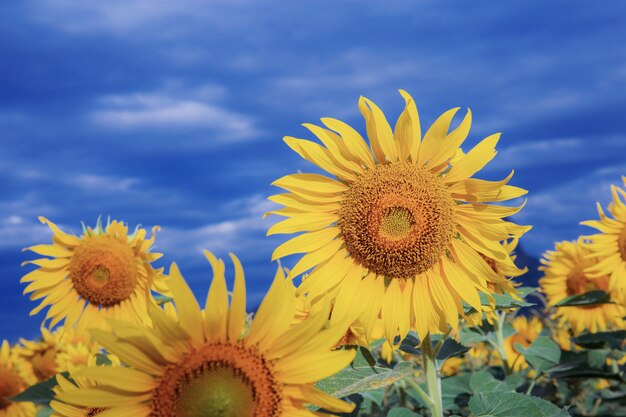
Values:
[(104, 273), (401, 224), (57, 351), (15, 376), (565, 275), (526, 331), (609, 246), (200, 363)]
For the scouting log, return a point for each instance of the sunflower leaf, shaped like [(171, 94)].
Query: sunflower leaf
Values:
[(513, 404), (587, 299), (542, 354), (40, 393), (363, 378), (601, 340), (402, 412)]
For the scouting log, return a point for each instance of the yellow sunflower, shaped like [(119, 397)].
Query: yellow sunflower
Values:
[(609, 246), (564, 275), (57, 351), (400, 224), (526, 331), (104, 273), (15, 376), (201, 363)]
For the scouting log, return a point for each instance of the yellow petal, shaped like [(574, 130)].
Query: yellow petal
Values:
[(307, 222), (310, 183), (320, 156), (275, 313), (433, 138), (474, 161), (379, 132), (306, 242), (216, 308), (408, 131), (354, 142), (186, 305), (237, 315)]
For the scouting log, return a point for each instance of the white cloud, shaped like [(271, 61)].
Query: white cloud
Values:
[(245, 231), (103, 183), (557, 211), (556, 151), (16, 232), (155, 110)]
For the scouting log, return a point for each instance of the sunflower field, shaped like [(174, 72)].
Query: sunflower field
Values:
[(406, 300)]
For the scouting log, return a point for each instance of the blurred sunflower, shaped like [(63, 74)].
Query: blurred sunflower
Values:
[(200, 364), (609, 246), (400, 224), (565, 275), (526, 331), (15, 376), (57, 351), (104, 273)]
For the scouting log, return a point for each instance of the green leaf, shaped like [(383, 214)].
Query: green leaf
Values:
[(375, 396), (40, 393), (526, 291), (512, 404), (601, 340), (402, 412), (451, 348), (162, 299), (456, 391), (542, 354), (367, 355), (587, 299), (483, 381), (102, 360), (363, 378), (503, 301), (597, 358), (44, 411)]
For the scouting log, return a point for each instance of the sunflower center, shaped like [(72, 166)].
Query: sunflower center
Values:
[(219, 380), (578, 283), (397, 220), (621, 243), (94, 411), (10, 385), (104, 270)]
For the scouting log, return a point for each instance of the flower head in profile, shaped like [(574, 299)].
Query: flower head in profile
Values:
[(400, 224), (198, 363), (526, 331), (565, 275), (16, 375), (609, 246), (57, 351), (104, 273)]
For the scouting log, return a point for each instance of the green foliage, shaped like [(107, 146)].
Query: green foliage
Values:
[(601, 340), (512, 404), (40, 393), (402, 412), (358, 379), (587, 299), (542, 354), (44, 411)]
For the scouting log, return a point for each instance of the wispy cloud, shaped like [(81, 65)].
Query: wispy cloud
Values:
[(155, 111), (557, 211)]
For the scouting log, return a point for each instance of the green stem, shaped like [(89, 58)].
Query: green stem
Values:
[(427, 400), (433, 379), (499, 324)]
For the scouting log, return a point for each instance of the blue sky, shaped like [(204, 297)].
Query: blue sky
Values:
[(172, 113)]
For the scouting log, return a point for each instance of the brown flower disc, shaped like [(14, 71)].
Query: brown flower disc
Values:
[(397, 219)]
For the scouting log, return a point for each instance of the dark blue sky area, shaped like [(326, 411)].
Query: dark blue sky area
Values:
[(172, 113)]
